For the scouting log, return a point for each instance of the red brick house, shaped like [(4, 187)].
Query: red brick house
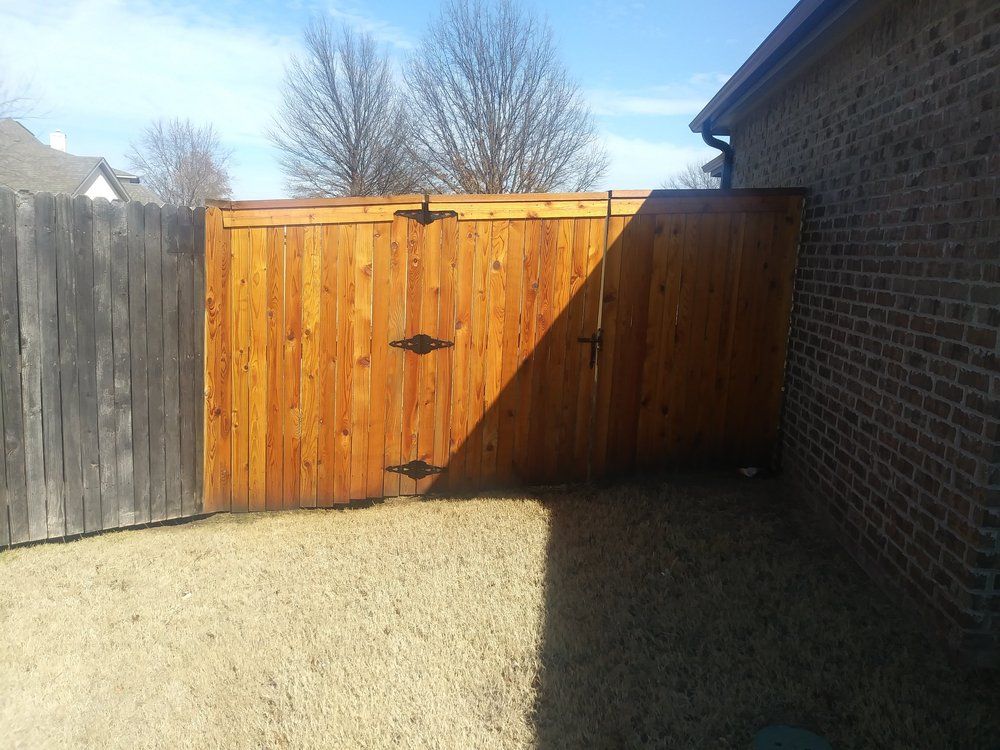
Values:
[(888, 112)]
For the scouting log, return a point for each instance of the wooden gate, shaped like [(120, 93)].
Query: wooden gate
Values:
[(365, 348)]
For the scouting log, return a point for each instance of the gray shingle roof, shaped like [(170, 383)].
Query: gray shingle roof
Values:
[(28, 164), (139, 192)]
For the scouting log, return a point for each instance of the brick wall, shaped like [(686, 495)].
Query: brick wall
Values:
[(893, 385)]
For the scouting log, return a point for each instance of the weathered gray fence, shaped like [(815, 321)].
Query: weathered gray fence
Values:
[(101, 350)]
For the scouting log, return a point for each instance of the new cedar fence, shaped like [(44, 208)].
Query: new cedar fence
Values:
[(101, 349), (364, 348)]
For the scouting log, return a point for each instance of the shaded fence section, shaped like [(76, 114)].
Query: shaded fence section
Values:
[(101, 364)]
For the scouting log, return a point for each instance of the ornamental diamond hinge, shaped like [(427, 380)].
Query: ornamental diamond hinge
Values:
[(416, 469), (421, 344), (425, 216)]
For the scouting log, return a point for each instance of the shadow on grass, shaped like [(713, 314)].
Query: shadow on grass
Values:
[(691, 613)]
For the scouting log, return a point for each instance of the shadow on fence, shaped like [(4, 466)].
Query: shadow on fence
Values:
[(609, 603)]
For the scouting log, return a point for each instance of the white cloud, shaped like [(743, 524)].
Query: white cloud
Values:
[(637, 163), (687, 98), (613, 103), (381, 31), (711, 79), (107, 67), (102, 69)]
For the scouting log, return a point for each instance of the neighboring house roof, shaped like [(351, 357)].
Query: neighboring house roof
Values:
[(27, 164), (135, 189), (809, 30), (714, 167)]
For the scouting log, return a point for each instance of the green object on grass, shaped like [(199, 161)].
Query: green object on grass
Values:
[(780, 737)]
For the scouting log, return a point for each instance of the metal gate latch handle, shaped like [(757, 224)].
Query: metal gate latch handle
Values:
[(595, 345)]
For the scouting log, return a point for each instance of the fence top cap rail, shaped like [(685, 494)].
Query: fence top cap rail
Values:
[(732, 193), (321, 211), (283, 203), (419, 198), (516, 197), (632, 202), (291, 203)]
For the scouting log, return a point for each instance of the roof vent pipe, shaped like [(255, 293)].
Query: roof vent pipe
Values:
[(727, 154)]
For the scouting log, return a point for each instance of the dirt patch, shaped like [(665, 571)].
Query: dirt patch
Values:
[(682, 615)]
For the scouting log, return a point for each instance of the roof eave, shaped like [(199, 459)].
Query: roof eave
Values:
[(809, 29), (714, 167)]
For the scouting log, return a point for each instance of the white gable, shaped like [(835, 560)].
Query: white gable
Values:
[(101, 188)]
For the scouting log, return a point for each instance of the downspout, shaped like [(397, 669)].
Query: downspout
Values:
[(727, 154)]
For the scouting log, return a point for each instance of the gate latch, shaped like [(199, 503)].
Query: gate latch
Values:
[(595, 342)]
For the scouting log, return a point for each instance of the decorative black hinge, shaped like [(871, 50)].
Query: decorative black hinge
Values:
[(425, 216), (595, 342), (416, 469), (421, 344)]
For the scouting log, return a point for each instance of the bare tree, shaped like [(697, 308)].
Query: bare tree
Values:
[(183, 163), (494, 110), (15, 98), (692, 177), (342, 126)]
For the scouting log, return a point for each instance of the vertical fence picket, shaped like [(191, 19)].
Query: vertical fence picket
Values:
[(48, 337), (198, 309), (345, 352), (327, 377), (4, 516), (217, 454), (526, 367), (292, 368), (375, 464), (495, 300), (69, 382), (188, 330), (361, 358), (122, 365), (6, 236), (240, 371), (83, 247), (274, 471), (257, 380), (31, 366), (12, 436), (395, 286), (137, 350), (106, 420), (170, 250), (152, 245), (411, 327), (344, 388)]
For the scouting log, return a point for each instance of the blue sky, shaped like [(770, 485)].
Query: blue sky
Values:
[(101, 69)]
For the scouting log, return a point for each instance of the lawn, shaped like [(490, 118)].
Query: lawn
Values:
[(681, 615)]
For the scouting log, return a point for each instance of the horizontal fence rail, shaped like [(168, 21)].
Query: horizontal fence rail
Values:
[(101, 364)]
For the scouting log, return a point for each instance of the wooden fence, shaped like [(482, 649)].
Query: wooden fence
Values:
[(101, 349), (363, 348)]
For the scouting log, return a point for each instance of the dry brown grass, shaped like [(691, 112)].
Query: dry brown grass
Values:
[(678, 615)]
